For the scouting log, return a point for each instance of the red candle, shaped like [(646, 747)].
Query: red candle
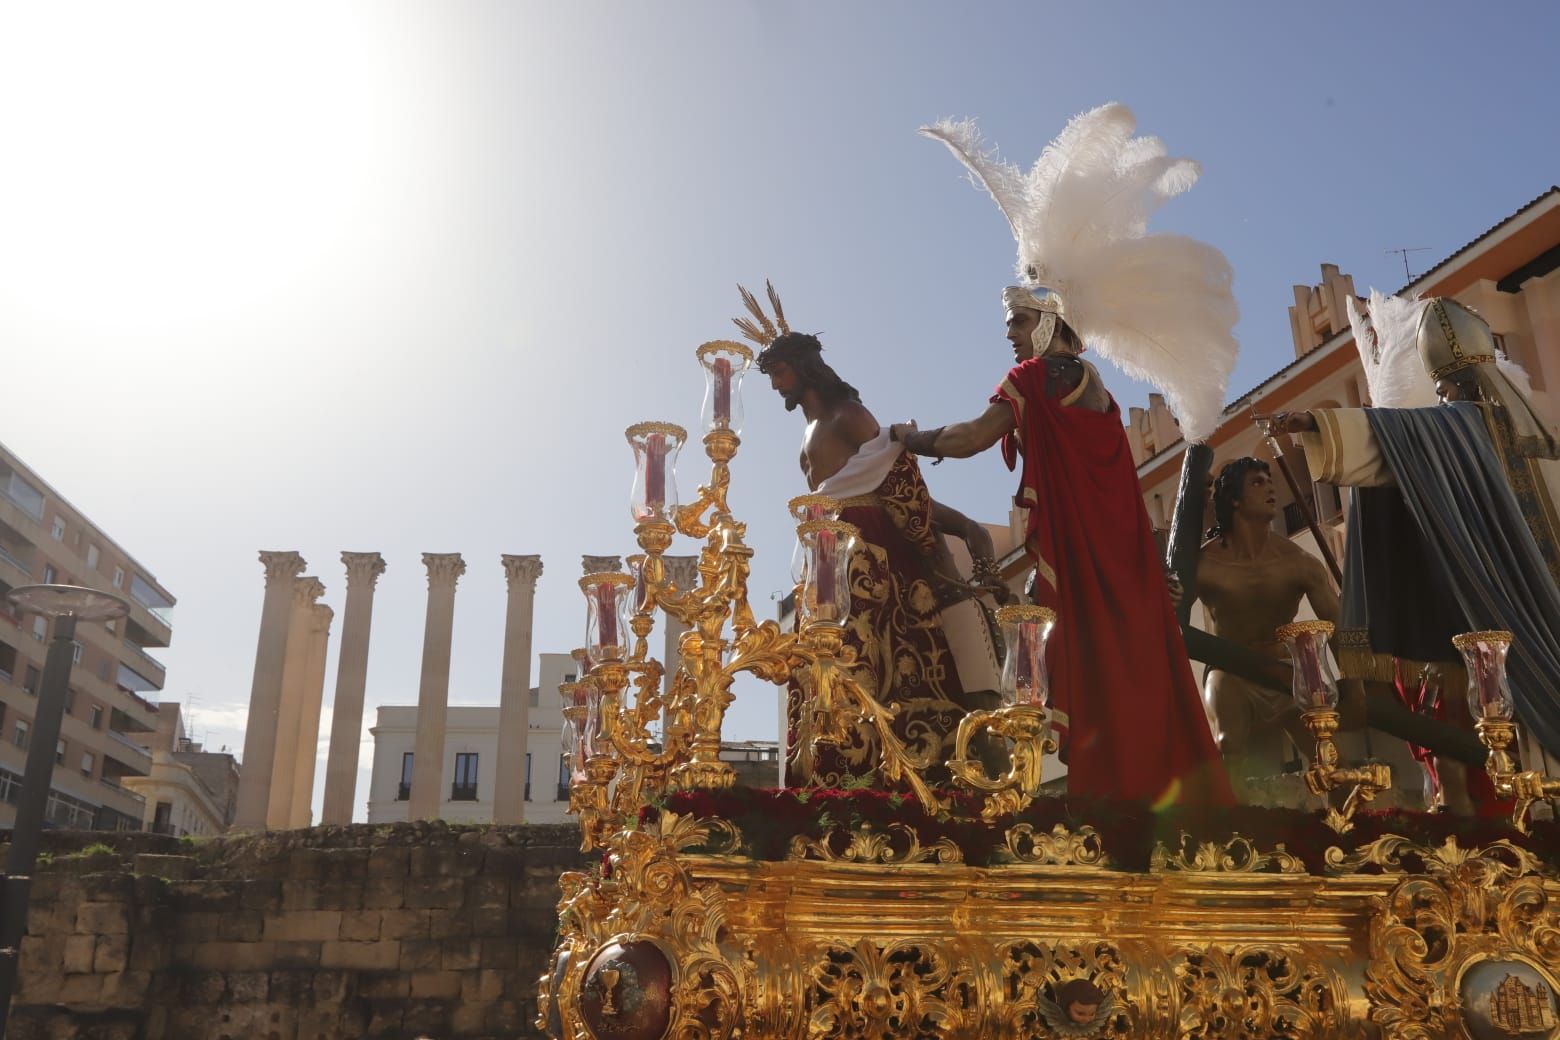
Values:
[(655, 472), (606, 615), (1311, 670), (722, 391), (827, 585)]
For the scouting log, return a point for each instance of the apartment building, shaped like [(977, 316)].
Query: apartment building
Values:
[(109, 717), (188, 790)]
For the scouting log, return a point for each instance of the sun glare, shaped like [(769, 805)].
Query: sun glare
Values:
[(180, 160)]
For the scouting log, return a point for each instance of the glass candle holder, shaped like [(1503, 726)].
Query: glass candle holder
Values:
[(655, 445), (724, 364), (606, 621), (827, 546), (1484, 655), (640, 595), (1026, 630), (592, 741), (573, 736), (1315, 684), (804, 508)]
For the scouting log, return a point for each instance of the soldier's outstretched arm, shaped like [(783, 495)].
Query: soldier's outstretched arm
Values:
[(961, 440)]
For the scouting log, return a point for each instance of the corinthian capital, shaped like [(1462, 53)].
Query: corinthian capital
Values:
[(682, 571), (281, 565), (601, 564), (443, 568), (363, 567), (522, 569), (320, 616), (306, 590)]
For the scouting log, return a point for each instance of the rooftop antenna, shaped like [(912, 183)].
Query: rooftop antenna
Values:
[(1404, 254)]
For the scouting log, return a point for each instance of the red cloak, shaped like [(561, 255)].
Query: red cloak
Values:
[(1124, 701)]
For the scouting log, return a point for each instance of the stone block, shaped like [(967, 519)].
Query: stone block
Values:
[(112, 954), (211, 896), (361, 925), (251, 987), (174, 868), (389, 862), (384, 893), (461, 954), (404, 924), (344, 865), (499, 954), (504, 862), (262, 894), (423, 893), (435, 985), (103, 919), (489, 924), (296, 954), (482, 986), (233, 956), (384, 985), (82, 992), (450, 924), (430, 1016), (304, 864), (387, 1018), (303, 926), (468, 1020), (421, 955), (43, 952), (361, 956), (241, 926), (148, 952), (203, 988), (487, 893), (301, 894), (330, 987), (455, 862), (510, 1018)]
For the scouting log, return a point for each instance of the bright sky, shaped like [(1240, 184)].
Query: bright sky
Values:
[(396, 276)]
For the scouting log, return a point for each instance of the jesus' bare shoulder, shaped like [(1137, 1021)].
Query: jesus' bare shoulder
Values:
[(834, 437)]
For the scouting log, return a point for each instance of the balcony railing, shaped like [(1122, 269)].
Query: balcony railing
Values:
[(127, 742), (143, 655), (403, 793), (13, 561), (563, 792), (463, 792)]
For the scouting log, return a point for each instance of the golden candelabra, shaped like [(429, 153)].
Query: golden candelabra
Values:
[(1021, 721), (1489, 698), (1316, 691), (622, 767)]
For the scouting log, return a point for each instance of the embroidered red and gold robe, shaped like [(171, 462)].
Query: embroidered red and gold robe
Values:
[(1122, 693)]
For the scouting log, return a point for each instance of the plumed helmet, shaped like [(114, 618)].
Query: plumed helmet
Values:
[(1452, 337)]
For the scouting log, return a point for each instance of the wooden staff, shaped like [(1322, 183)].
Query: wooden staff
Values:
[(1265, 424)]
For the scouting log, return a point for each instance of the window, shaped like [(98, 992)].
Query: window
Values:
[(31, 679), (103, 669), (40, 627), (21, 737), (92, 557), (58, 530), (75, 653), (87, 764), (50, 574), (528, 776), (563, 778), (465, 787), (405, 790), (97, 716), (70, 701), (569, 677), (59, 752), (119, 577)]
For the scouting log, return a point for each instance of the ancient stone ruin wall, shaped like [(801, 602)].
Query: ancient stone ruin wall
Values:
[(394, 931)]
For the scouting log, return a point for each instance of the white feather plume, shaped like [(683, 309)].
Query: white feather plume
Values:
[(1516, 374), (1393, 370), (1159, 306)]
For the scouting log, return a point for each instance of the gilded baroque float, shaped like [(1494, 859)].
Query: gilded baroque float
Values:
[(986, 910)]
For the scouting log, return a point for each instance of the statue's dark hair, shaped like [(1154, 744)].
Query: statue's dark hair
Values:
[(1227, 490), (804, 353)]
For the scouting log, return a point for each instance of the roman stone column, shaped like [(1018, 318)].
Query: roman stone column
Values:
[(514, 697), (346, 720), (295, 685), (265, 693), (600, 564), (433, 691), (682, 571), (302, 812)]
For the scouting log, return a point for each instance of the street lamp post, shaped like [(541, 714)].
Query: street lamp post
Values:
[(65, 605)]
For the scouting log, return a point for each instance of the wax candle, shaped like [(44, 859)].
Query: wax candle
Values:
[(606, 615), (1024, 675), (827, 583), (722, 368), (655, 472)]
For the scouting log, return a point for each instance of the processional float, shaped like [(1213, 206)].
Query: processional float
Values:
[(986, 910)]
